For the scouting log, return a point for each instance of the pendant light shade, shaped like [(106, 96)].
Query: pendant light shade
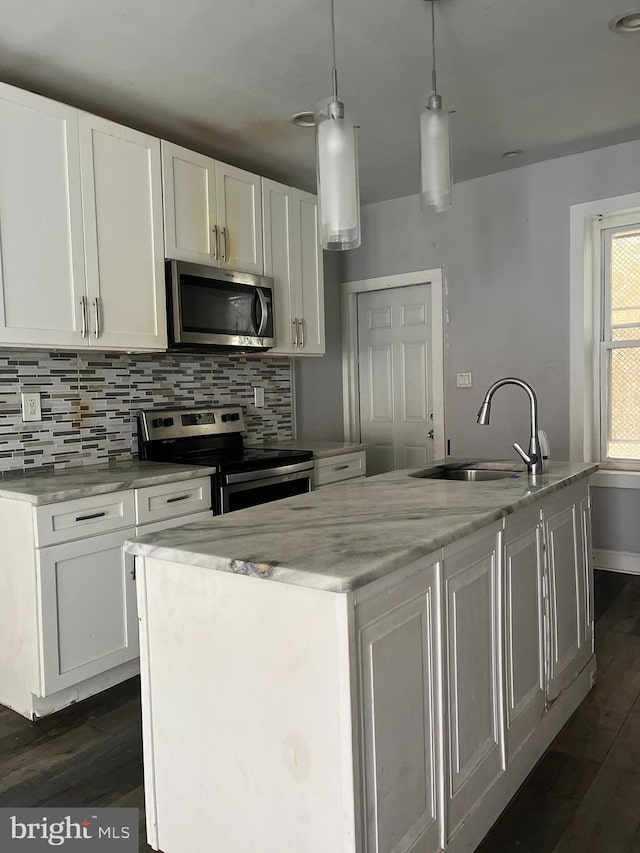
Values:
[(338, 190), (436, 189), (337, 169), (435, 158)]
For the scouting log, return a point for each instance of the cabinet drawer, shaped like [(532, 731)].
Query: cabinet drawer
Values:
[(156, 503), (168, 523), (68, 520), (334, 469)]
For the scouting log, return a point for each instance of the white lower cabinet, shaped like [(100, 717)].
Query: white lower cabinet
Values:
[(87, 599), (399, 688), (68, 612), (472, 682), (339, 469)]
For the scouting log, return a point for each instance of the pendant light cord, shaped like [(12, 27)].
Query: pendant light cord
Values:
[(334, 72), (433, 44)]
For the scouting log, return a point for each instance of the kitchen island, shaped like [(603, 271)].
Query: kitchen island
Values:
[(370, 668)]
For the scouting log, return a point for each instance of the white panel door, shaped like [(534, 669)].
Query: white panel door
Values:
[(473, 682), (394, 329), (189, 188), (310, 275), (523, 570), (399, 693), (87, 607), (239, 218), (279, 261), (42, 278), (122, 204)]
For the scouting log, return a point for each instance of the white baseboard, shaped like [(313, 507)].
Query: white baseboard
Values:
[(616, 561)]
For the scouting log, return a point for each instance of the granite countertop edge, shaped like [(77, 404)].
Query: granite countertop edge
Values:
[(197, 553)]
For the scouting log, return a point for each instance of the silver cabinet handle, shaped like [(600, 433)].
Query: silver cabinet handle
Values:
[(83, 308), (294, 323), (340, 467), (214, 242), (302, 333), (223, 234), (96, 306), (180, 498)]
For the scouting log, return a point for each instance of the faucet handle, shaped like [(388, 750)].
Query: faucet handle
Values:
[(522, 454)]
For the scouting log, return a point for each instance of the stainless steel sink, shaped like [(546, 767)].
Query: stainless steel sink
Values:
[(477, 472)]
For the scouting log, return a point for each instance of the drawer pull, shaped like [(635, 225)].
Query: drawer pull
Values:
[(89, 517), (181, 498), (340, 467)]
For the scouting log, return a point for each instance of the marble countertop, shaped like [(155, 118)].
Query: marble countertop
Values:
[(66, 484), (340, 539), (321, 449)]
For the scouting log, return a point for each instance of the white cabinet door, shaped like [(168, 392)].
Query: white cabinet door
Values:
[(398, 635), (239, 218), (309, 274), (587, 562), (473, 667), (122, 206), (279, 262), (568, 646), (523, 608), (42, 278), (87, 604), (189, 187)]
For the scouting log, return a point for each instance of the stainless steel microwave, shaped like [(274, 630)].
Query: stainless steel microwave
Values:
[(212, 308)]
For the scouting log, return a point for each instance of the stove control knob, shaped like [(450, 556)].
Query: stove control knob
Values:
[(156, 422), (226, 418), (167, 422), (235, 416)]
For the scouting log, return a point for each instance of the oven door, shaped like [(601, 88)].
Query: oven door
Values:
[(213, 307), (252, 492)]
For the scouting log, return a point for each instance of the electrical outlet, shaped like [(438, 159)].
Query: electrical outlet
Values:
[(258, 397), (31, 410)]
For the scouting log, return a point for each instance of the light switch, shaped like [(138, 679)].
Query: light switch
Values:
[(258, 397), (463, 380)]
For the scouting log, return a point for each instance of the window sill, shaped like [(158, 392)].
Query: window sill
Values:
[(612, 479)]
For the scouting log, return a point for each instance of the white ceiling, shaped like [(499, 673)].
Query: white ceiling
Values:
[(223, 76)]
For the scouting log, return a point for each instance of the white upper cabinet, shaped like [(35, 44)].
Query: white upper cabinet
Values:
[(42, 277), (292, 256), (82, 258), (122, 195), (212, 211)]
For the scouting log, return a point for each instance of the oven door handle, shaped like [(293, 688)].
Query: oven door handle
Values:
[(268, 473), (264, 316)]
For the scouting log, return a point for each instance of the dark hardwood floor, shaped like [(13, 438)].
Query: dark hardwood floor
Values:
[(583, 796)]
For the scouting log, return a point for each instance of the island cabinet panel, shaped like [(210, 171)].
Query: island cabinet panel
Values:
[(587, 564), (399, 688), (569, 649), (473, 671), (523, 609)]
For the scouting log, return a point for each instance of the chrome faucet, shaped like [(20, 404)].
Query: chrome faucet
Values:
[(533, 458)]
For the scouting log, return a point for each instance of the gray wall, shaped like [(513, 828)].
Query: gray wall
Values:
[(505, 250), (319, 380)]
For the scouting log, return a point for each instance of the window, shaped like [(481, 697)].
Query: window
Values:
[(617, 374)]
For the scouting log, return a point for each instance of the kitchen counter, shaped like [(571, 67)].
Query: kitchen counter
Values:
[(46, 487), (320, 449), (341, 539)]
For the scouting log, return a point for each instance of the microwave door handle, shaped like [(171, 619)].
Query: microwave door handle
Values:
[(263, 311)]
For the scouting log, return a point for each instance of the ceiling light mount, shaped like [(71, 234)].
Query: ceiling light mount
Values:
[(515, 152), (628, 22), (307, 118)]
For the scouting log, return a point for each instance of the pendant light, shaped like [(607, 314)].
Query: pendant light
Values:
[(337, 169), (435, 144)]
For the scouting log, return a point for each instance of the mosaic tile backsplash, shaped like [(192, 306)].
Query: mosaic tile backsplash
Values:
[(87, 401)]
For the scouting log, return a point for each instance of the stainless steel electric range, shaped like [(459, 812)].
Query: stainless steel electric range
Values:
[(244, 476)]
